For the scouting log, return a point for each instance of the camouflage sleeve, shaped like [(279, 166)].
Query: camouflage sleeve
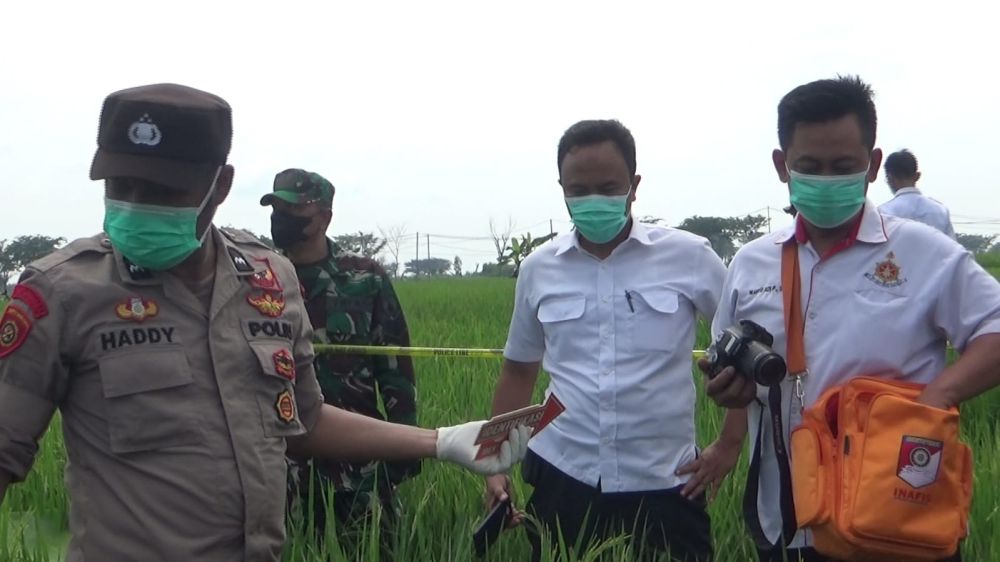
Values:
[(394, 374)]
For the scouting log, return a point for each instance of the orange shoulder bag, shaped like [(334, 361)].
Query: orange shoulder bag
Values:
[(875, 475)]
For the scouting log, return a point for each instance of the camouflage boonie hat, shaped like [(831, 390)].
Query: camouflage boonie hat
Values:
[(300, 187)]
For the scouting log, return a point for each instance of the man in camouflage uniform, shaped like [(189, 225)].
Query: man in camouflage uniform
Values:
[(350, 300)]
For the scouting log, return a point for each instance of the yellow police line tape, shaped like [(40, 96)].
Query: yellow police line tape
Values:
[(420, 351)]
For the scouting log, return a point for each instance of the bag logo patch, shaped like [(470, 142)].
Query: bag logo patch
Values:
[(919, 460)]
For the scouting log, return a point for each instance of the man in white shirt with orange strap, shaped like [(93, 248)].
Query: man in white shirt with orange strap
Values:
[(880, 295), (610, 310)]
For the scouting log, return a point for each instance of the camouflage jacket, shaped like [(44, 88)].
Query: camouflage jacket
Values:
[(350, 301)]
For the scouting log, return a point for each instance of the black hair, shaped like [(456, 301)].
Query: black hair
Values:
[(590, 132), (902, 164), (826, 100)]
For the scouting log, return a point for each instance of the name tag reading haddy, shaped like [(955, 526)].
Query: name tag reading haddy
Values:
[(497, 430)]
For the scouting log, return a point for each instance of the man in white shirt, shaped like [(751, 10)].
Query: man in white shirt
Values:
[(908, 202), (610, 310), (881, 296)]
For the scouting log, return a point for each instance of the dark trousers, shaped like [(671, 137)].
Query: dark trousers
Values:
[(810, 555), (657, 521)]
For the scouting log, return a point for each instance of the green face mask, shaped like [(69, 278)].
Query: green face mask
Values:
[(599, 218), (153, 236), (827, 201)]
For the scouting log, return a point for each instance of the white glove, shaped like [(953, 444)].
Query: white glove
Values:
[(457, 444)]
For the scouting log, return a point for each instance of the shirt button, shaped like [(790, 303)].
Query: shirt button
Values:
[(606, 440), (606, 298), (812, 315)]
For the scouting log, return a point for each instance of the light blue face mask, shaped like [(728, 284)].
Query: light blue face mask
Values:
[(156, 237), (599, 218), (827, 201)]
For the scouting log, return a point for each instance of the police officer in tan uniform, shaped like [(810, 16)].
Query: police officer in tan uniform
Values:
[(179, 356)]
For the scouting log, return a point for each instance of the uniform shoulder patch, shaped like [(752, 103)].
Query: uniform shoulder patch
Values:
[(75, 248), (14, 327), (32, 298), (240, 236)]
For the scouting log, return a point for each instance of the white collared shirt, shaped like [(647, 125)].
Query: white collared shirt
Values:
[(886, 305), (909, 203), (620, 364)]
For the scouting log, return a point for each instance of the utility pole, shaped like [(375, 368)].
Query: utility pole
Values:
[(769, 219), (551, 230), (417, 258), (428, 246)]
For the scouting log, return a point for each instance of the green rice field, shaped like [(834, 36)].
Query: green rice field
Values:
[(442, 505)]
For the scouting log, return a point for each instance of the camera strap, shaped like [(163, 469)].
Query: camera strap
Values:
[(792, 300)]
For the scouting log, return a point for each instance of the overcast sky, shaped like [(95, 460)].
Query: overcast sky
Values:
[(441, 115)]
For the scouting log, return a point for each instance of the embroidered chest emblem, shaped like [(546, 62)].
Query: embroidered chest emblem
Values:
[(266, 279), (285, 407), (267, 304), (137, 309), (284, 364), (887, 272)]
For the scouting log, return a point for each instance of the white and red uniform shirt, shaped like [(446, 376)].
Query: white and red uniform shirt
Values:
[(885, 302)]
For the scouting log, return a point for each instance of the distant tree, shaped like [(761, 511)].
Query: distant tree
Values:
[(456, 267), (393, 236), (521, 248), (745, 229), (976, 243), (716, 230), (364, 243), (428, 267), (21, 251), (725, 234), (497, 270), (501, 238)]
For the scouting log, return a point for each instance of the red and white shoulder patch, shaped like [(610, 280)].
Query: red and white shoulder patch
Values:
[(15, 324)]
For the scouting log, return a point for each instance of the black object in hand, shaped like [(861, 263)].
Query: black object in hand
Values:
[(490, 527), (747, 347)]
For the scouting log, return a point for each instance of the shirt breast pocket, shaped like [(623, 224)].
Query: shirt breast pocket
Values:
[(151, 400), (652, 319), (880, 297), (557, 315), (275, 389)]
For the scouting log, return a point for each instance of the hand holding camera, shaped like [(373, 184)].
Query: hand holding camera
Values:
[(739, 360)]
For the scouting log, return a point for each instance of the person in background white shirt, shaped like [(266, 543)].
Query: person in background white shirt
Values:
[(908, 202), (610, 310), (881, 296)]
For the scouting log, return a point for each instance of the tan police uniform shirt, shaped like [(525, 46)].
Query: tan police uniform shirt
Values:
[(174, 415)]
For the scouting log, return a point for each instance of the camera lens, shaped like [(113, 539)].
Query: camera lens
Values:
[(769, 369)]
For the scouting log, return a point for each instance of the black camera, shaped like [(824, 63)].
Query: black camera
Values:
[(747, 348)]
